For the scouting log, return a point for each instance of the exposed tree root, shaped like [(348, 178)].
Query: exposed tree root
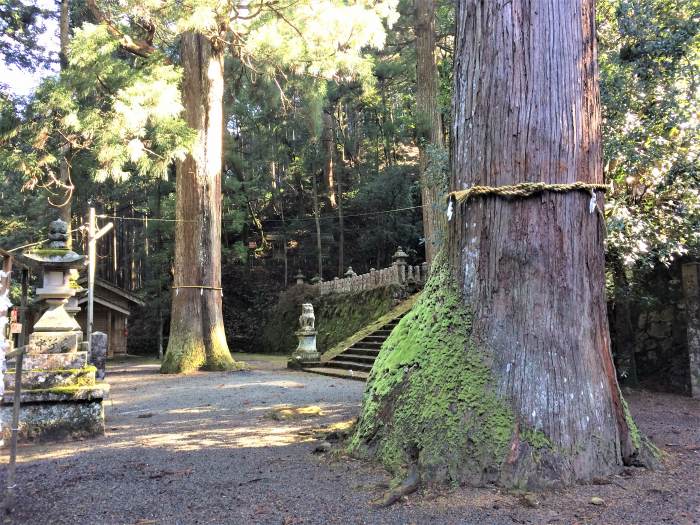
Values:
[(408, 486)]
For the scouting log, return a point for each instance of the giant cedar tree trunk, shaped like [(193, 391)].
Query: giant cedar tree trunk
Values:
[(197, 338), (502, 372), (429, 127)]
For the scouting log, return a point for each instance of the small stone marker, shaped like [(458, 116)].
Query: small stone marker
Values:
[(98, 353)]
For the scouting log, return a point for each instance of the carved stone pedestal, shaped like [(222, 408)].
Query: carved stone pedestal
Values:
[(305, 353)]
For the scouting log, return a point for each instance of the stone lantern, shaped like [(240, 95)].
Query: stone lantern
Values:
[(350, 272), (56, 326), (299, 277), (305, 353), (60, 395), (401, 259)]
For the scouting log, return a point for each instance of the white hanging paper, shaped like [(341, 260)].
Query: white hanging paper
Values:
[(593, 202), (5, 300)]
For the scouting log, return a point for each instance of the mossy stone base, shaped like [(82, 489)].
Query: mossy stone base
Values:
[(42, 379), (56, 413), (54, 421)]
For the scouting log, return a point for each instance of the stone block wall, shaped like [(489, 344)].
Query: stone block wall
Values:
[(659, 324)]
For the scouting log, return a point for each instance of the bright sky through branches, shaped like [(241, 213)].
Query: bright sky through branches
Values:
[(23, 83)]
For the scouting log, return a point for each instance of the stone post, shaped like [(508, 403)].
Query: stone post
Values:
[(400, 259), (98, 353), (306, 353), (691, 292)]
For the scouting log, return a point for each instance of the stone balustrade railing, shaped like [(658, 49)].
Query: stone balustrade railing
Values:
[(399, 273)]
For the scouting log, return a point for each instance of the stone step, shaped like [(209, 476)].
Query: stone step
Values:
[(338, 372), (383, 333), (374, 339), (52, 361), (370, 344), (349, 365), (362, 351), (358, 358)]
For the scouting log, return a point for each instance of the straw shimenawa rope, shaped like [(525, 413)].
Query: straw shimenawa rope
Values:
[(522, 190)]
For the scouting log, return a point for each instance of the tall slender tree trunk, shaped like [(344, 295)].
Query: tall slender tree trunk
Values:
[(433, 187), (317, 220), (502, 372), (341, 226), (328, 142), (197, 338), (64, 166)]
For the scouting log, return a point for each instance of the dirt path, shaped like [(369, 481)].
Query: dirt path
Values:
[(203, 449)]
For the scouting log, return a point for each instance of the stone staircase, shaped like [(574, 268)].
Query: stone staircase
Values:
[(355, 362)]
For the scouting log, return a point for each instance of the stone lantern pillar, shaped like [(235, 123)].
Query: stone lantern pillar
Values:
[(56, 329), (305, 353), (401, 260), (59, 393)]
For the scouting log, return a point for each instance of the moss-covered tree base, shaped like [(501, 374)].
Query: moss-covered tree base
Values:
[(430, 402), (188, 354)]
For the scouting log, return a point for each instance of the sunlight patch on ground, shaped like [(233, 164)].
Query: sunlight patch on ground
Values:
[(281, 384)]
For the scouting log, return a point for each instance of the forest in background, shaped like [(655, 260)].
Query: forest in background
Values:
[(311, 163)]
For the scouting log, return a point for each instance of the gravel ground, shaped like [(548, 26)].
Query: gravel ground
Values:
[(203, 449)]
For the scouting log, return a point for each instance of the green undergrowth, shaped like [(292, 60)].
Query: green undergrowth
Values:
[(338, 316), (428, 398)]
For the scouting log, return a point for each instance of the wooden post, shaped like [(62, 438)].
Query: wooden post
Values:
[(92, 259), (4, 290), (93, 235), (691, 292)]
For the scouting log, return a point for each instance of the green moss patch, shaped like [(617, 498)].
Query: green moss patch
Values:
[(428, 398), (363, 332), (51, 252)]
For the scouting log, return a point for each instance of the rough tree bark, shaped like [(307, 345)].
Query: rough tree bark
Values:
[(429, 126), (197, 338), (502, 372)]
